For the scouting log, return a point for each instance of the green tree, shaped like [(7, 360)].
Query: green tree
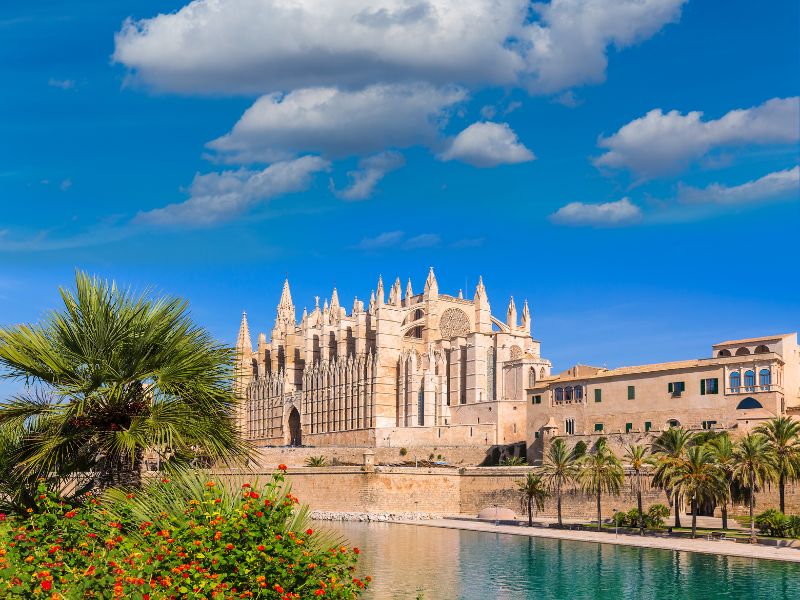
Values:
[(111, 376), (533, 493), (721, 449), (783, 440), (637, 457), (698, 477), (600, 471), (558, 470), (753, 465), (668, 449)]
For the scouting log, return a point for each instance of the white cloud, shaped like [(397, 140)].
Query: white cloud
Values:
[(664, 143), (263, 46), (370, 171), (383, 240), (216, 197), (337, 123), (781, 184), (65, 184), (621, 212), (424, 240), (487, 145), (64, 84)]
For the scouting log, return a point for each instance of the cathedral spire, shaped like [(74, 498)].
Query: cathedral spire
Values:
[(285, 306), (480, 290), (395, 295), (335, 301), (371, 307), (431, 285), (409, 291), (526, 318), (243, 343), (379, 293), (511, 314)]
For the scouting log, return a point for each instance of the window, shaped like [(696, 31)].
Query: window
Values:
[(742, 351), (578, 393), (762, 349), (490, 364), (676, 388), (631, 392), (736, 381), (569, 426), (568, 393), (559, 394), (628, 427), (598, 427), (531, 377), (537, 399), (764, 378), (749, 378), (749, 403), (647, 425), (673, 423), (709, 424), (598, 395), (421, 407), (536, 435), (709, 386), (724, 353)]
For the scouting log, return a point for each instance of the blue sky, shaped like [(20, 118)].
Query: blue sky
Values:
[(630, 169)]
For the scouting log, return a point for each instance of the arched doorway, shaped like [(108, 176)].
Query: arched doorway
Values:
[(295, 432)]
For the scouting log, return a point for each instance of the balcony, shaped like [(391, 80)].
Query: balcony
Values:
[(753, 389)]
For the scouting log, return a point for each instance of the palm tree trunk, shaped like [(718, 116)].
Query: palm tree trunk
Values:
[(782, 491), (530, 516), (752, 506), (599, 514), (639, 506), (694, 517), (725, 514), (558, 505), (677, 511)]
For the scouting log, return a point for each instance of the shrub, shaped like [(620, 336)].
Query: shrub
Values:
[(403, 451), (655, 516), (513, 461), (316, 461), (773, 522), (190, 538), (620, 519)]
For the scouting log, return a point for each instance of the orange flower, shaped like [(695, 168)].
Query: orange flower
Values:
[(210, 484), (319, 592), (278, 588), (229, 546), (282, 467)]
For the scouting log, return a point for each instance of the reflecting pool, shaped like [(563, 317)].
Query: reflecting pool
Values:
[(407, 562)]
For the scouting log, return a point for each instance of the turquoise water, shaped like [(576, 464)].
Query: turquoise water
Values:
[(447, 564)]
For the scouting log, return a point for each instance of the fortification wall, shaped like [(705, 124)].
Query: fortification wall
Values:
[(296, 457), (452, 491)]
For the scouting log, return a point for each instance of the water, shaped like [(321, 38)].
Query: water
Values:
[(446, 564)]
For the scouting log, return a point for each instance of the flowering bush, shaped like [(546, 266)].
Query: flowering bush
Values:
[(188, 538)]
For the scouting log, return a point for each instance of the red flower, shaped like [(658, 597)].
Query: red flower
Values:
[(229, 546), (70, 514), (278, 588), (319, 592), (356, 550), (2, 516), (246, 485), (282, 467), (47, 585), (309, 531), (261, 548)]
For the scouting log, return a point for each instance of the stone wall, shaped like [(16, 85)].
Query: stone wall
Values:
[(291, 456), (453, 491)]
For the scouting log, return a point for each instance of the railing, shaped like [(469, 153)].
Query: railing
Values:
[(753, 389)]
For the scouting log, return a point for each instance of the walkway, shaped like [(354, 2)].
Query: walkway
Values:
[(729, 548)]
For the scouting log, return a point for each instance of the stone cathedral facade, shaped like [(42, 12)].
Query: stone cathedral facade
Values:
[(409, 370)]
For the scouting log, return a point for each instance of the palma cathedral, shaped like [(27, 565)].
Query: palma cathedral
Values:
[(407, 369)]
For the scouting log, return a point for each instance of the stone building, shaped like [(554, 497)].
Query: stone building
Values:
[(408, 370), (741, 384)]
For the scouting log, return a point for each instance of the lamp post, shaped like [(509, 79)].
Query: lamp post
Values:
[(616, 522)]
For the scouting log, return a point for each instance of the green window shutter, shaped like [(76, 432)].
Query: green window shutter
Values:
[(715, 386), (598, 427), (647, 425), (670, 387), (598, 395), (631, 392), (628, 427), (702, 387), (683, 386)]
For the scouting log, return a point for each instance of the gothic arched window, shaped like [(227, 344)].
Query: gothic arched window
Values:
[(490, 374), (578, 393), (532, 377), (764, 377), (568, 393), (559, 394), (749, 378)]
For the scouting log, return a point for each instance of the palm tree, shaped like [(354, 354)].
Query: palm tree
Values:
[(111, 376), (783, 440), (668, 449), (721, 449), (753, 465), (636, 455), (558, 470), (698, 477), (600, 471), (532, 494)]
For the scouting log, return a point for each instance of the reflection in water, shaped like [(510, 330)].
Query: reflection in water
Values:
[(446, 564)]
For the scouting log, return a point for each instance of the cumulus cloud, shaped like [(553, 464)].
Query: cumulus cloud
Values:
[(216, 197), (263, 46), (487, 145), (337, 122), (781, 184), (370, 171), (621, 212), (664, 143)]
